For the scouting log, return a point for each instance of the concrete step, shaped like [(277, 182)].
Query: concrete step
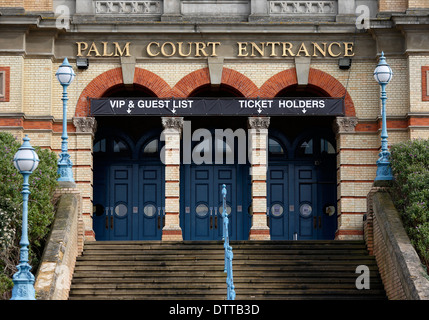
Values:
[(194, 270)]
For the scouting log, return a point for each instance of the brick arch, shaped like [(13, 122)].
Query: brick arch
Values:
[(201, 77), (317, 78), (103, 82)]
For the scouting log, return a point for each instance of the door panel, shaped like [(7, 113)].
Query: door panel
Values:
[(101, 213), (150, 203), (201, 208), (277, 202), (227, 176), (120, 203), (205, 207), (306, 202)]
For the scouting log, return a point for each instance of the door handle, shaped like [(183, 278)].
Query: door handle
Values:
[(159, 217), (163, 217), (216, 221), (107, 217), (211, 222), (315, 222), (268, 217), (111, 217), (320, 222)]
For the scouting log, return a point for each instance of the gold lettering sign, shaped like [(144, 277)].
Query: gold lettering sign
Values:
[(200, 49), (113, 49)]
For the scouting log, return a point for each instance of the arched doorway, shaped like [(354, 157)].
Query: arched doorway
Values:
[(216, 160), (301, 177), (128, 174)]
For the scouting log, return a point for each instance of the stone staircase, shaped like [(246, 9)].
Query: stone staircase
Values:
[(194, 270)]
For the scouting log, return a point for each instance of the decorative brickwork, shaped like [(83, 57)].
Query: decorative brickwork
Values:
[(97, 87), (317, 78), (201, 77)]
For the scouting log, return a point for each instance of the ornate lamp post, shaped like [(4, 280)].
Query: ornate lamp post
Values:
[(25, 160), (65, 76), (383, 74)]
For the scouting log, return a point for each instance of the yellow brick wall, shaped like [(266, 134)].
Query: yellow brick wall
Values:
[(355, 167), (38, 87), (415, 63), (16, 64), (392, 5), (38, 5), (12, 3), (418, 4)]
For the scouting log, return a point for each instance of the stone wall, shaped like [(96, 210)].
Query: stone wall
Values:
[(400, 268), (64, 244)]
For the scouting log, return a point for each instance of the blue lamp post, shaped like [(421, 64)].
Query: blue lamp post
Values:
[(383, 74), (65, 76), (25, 160)]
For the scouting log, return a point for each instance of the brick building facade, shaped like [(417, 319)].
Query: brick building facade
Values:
[(36, 36)]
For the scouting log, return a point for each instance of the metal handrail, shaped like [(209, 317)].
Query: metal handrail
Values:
[(228, 249)]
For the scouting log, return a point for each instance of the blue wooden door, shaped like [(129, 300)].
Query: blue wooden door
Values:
[(129, 202), (150, 206), (120, 203), (205, 202), (225, 175), (307, 211), (280, 222), (101, 212)]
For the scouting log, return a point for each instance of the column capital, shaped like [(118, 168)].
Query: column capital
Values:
[(85, 124), (345, 124), (258, 122), (172, 122)]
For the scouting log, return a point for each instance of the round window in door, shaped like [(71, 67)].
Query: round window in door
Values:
[(202, 210), (121, 210), (228, 209), (149, 210), (277, 210), (305, 210)]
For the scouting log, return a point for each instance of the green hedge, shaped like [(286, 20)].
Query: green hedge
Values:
[(43, 182), (410, 166)]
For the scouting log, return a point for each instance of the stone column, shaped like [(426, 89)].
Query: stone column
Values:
[(258, 134), (83, 170), (172, 131), (344, 128)]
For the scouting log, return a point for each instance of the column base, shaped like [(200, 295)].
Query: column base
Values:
[(173, 234), (259, 234)]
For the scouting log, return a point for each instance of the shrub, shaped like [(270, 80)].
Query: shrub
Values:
[(410, 166), (43, 182)]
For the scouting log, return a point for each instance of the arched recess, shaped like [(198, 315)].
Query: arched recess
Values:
[(201, 77), (317, 78), (111, 78)]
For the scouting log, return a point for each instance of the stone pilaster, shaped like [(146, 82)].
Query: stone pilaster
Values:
[(346, 229), (172, 131), (258, 131)]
